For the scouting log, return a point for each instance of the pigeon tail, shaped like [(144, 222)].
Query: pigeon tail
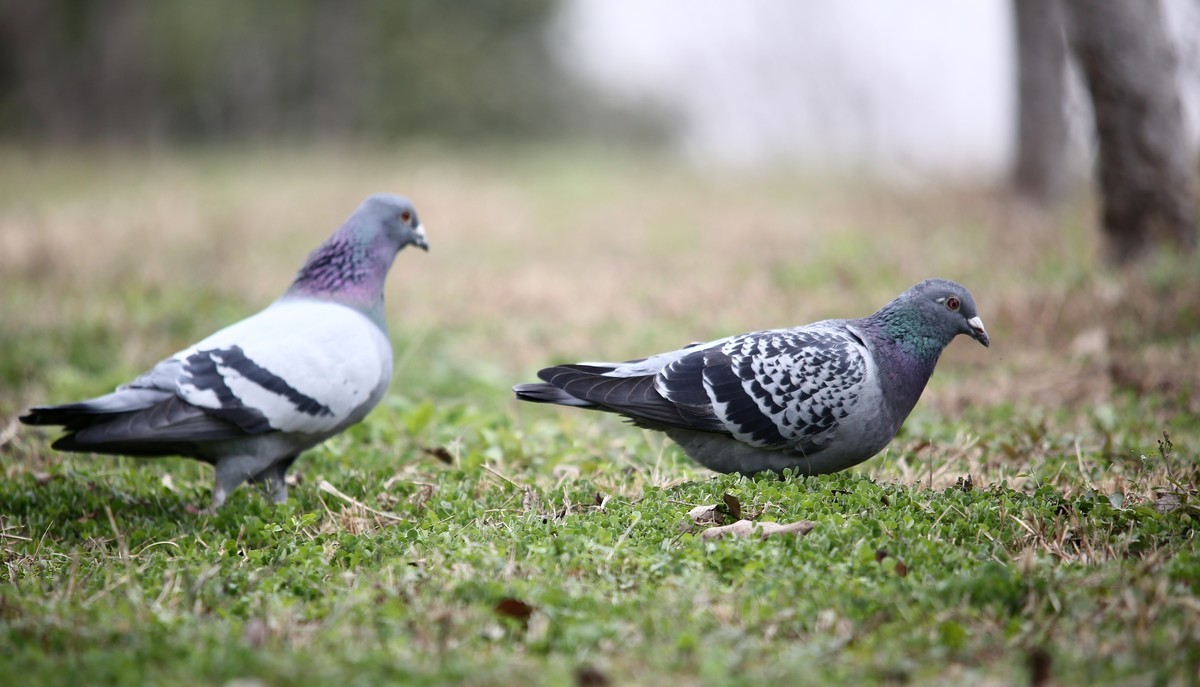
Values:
[(539, 392), (74, 416)]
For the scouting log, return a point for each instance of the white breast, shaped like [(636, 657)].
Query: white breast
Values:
[(327, 352)]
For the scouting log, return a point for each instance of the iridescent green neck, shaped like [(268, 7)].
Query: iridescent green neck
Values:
[(910, 332)]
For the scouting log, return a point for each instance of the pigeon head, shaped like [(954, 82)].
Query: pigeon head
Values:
[(394, 218), (929, 315), (352, 265)]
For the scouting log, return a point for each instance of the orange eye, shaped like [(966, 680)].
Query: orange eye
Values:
[(952, 303), (405, 216)]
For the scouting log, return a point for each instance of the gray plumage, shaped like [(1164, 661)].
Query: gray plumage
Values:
[(816, 399), (251, 397)]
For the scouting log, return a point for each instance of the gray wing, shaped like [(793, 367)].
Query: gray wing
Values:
[(144, 417), (212, 372), (771, 389), (776, 389)]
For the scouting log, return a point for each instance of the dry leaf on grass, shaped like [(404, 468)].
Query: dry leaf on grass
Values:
[(716, 514), (901, 568), (747, 528), (1040, 667), (590, 676), (706, 515), (439, 452), (514, 608), (421, 497), (733, 506)]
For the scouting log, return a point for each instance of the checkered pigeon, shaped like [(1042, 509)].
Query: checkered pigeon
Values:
[(814, 399)]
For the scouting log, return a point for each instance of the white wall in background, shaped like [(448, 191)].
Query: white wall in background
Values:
[(899, 86)]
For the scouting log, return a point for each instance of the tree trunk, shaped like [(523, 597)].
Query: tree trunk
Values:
[(1040, 171), (1144, 161)]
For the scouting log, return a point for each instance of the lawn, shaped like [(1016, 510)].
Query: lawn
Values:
[(1034, 522)]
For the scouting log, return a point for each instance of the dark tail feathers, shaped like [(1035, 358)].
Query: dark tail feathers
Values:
[(72, 416), (539, 392)]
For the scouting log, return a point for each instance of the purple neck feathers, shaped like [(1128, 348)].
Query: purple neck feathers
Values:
[(904, 369), (349, 268)]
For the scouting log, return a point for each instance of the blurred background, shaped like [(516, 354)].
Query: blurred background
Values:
[(903, 87), (598, 175)]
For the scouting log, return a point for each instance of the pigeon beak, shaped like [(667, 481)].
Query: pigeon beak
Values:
[(419, 238), (978, 332)]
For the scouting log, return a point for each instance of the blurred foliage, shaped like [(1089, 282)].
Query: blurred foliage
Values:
[(146, 70)]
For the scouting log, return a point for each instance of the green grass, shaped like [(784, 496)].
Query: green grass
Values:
[(547, 546)]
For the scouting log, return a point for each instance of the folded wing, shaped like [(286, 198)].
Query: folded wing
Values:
[(305, 367), (771, 389)]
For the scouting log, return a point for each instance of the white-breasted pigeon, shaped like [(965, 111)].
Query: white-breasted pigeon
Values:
[(254, 395)]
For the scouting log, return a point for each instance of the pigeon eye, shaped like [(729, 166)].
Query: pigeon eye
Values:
[(952, 303), (405, 216)]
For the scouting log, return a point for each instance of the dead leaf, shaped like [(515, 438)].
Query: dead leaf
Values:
[(901, 568), (1039, 667), (42, 478), (1165, 502), (440, 453), (515, 609), (590, 676), (734, 506), (706, 515), (965, 483), (422, 495), (746, 528)]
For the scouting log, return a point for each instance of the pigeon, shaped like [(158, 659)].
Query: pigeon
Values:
[(254, 395), (814, 399)]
